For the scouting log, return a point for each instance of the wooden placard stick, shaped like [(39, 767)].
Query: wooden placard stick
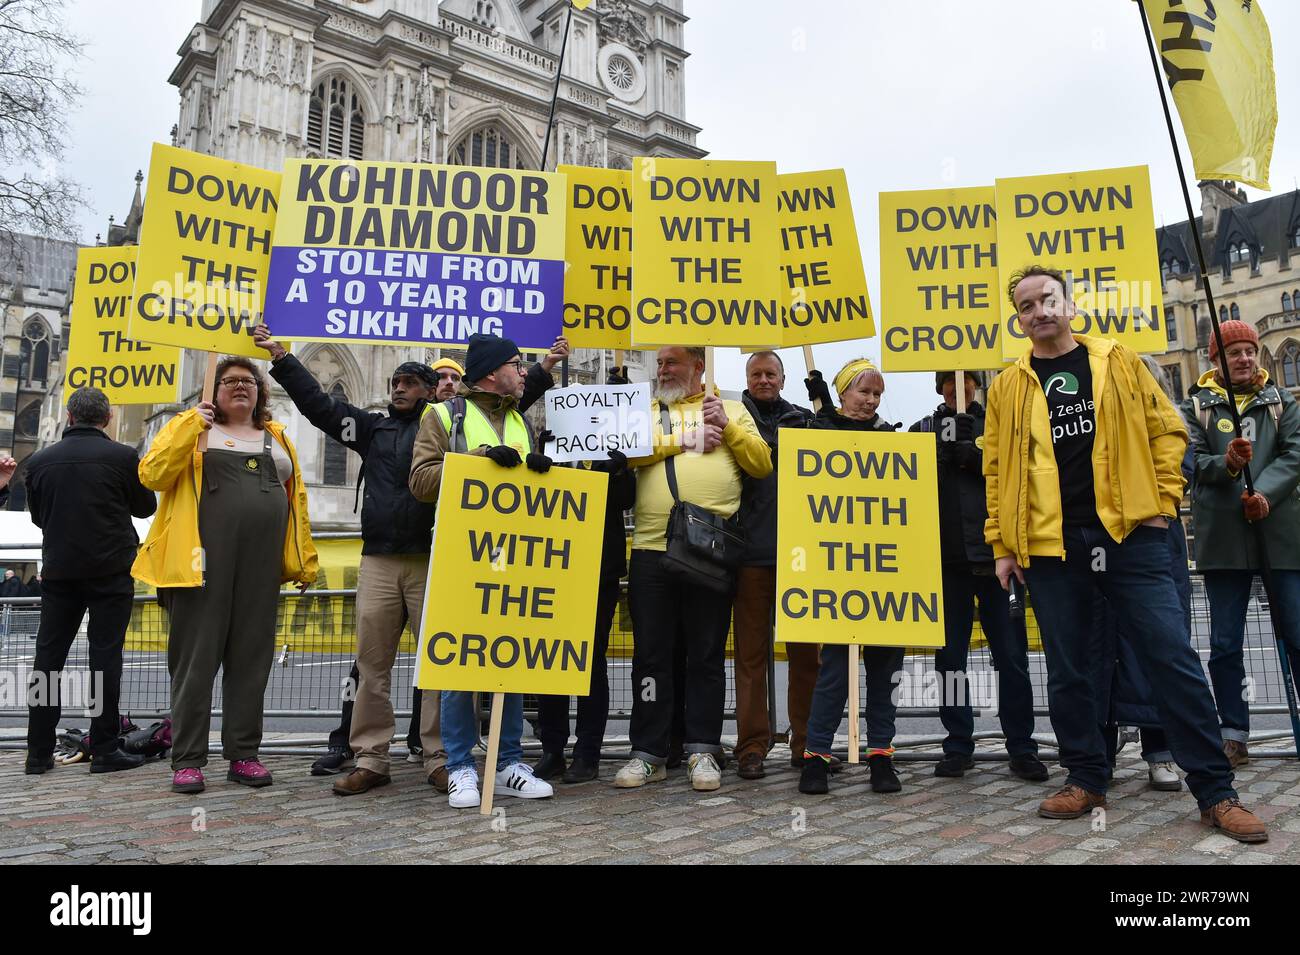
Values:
[(708, 370), (855, 704), (494, 744), (209, 393), (809, 364), (960, 381), (618, 359)]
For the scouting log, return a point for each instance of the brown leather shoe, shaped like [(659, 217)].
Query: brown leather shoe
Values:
[(359, 781), (1237, 753), (751, 767), (438, 779), (1234, 820), (1070, 803)]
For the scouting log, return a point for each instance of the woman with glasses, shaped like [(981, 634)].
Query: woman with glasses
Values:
[(231, 527)]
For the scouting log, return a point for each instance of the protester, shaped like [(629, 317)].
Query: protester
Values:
[(12, 585), (860, 386), (708, 446), (1239, 534), (967, 578), (34, 587), (1126, 693), (396, 533), (449, 373), (1081, 457), (232, 526), (756, 585), (487, 422), (83, 492)]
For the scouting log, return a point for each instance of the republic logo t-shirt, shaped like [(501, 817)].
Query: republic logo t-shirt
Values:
[(1067, 385)]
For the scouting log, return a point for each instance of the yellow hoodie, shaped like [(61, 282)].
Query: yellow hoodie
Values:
[(712, 480), (1137, 453), (171, 554)]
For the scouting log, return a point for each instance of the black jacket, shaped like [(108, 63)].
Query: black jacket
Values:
[(82, 493), (392, 520), (758, 495), (829, 419), (622, 496), (962, 506)]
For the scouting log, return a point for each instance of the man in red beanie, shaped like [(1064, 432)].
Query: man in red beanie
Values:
[(1228, 552)]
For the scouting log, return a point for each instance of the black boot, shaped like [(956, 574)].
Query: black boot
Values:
[(812, 780), (953, 765), (549, 766), (883, 777), (581, 770), (1029, 766), (117, 759)]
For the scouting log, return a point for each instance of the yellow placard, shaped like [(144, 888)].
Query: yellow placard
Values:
[(706, 261), (511, 601), (823, 281), (1099, 229), (858, 539), (381, 252), (99, 353), (205, 245), (939, 291), (598, 255)]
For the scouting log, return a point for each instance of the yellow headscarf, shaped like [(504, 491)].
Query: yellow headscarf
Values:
[(844, 377)]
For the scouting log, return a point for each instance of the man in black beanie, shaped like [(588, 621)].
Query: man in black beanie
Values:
[(483, 419)]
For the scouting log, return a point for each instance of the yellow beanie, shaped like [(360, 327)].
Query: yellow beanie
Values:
[(448, 363), (844, 377)]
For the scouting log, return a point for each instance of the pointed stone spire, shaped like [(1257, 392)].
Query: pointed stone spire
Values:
[(132, 223)]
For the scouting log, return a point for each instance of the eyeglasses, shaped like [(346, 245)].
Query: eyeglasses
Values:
[(239, 382), (517, 365)]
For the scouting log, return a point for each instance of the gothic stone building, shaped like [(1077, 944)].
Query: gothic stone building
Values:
[(464, 81)]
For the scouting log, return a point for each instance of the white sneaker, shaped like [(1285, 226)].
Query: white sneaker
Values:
[(517, 779), (638, 772), (1163, 777), (462, 788), (704, 772)]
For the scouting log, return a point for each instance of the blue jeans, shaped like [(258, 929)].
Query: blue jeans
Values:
[(1134, 577), (832, 695), (1008, 645), (460, 729), (1229, 593)]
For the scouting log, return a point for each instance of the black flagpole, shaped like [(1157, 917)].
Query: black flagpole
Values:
[(546, 146), (1265, 565)]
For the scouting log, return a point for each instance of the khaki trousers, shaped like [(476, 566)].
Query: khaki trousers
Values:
[(752, 628), (390, 591)]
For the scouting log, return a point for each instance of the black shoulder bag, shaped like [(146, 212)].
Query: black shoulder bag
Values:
[(702, 547)]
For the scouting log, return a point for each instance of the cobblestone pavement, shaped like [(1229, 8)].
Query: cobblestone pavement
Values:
[(986, 817)]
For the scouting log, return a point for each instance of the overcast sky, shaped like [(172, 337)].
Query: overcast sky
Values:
[(926, 94)]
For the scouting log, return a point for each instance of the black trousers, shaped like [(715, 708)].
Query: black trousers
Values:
[(63, 605), (593, 709), (668, 612), (340, 735)]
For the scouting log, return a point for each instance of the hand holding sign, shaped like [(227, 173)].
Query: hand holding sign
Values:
[(208, 412), (559, 351), (7, 468), (262, 339), (713, 412)]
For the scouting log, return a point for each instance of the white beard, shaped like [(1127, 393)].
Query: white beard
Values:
[(670, 394)]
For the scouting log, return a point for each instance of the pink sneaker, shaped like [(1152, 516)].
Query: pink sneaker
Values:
[(248, 772), (187, 781)]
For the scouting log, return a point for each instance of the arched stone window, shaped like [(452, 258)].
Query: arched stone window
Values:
[(1235, 312), (1286, 301), (487, 146), (1288, 361), (336, 126), (334, 460), (35, 351), (28, 423)]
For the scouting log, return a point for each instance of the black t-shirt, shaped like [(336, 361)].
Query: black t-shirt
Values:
[(1067, 385)]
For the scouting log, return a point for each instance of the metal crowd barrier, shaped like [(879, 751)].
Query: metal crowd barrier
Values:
[(316, 640)]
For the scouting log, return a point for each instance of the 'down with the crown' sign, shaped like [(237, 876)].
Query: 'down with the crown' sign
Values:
[(598, 249), (824, 285), (375, 252), (858, 539), (706, 262), (1099, 229), (205, 244), (511, 600), (589, 421), (939, 280), (99, 353)]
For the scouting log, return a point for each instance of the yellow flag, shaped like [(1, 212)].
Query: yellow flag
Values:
[(581, 4), (1218, 60)]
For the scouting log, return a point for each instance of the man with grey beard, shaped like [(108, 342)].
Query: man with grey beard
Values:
[(707, 448)]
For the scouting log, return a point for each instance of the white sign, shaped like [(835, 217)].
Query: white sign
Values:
[(589, 421)]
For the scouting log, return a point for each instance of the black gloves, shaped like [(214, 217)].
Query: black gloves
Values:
[(542, 439), (818, 390), (618, 462), (504, 455), (617, 376), (537, 462), (965, 427)]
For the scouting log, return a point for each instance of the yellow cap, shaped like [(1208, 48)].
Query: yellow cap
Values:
[(448, 363)]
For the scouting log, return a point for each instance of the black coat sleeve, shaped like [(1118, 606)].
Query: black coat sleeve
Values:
[(536, 382), (325, 413), (143, 502)]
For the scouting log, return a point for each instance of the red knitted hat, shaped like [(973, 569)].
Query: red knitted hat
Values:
[(1233, 331)]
